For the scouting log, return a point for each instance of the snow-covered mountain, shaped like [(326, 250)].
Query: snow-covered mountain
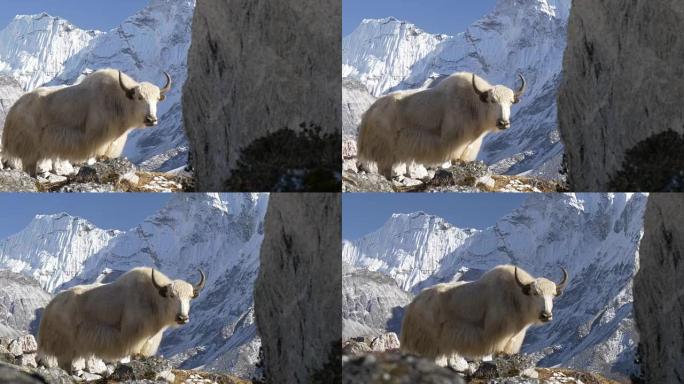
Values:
[(34, 48), (218, 233), (595, 236), (517, 36), (408, 247), (42, 49), (53, 248)]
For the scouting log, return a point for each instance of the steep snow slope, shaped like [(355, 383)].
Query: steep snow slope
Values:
[(53, 248), (34, 48), (595, 236), (408, 247), (518, 36)]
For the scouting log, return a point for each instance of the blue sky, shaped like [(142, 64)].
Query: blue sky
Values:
[(108, 211), (434, 16), (365, 212), (100, 14)]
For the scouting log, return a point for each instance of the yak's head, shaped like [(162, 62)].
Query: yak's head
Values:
[(542, 291), (500, 99), (179, 293), (145, 97)]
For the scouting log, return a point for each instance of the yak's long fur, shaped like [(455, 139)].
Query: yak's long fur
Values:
[(434, 125), (473, 319), (77, 122), (110, 321)]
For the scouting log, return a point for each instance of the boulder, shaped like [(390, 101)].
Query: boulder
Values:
[(270, 106), (619, 108), (395, 368), (17, 181), (354, 347), (297, 295), (658, 300), (385, 342)]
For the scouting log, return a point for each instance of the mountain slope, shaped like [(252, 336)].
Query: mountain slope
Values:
[(596, 237), (408, 247), (34, 48), (21, 300), (518, 36), (53, 248)]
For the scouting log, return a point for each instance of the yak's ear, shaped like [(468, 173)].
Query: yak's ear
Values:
[(484, 97), (162, 97), (131, 94), (164, 291), (527, 289)]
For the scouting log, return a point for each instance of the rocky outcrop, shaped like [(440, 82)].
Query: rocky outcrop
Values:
[(21, 301), (619, 106), (112, 175), (658, 292), (371, 303), (262, 94), (460, 177), (297, 295)]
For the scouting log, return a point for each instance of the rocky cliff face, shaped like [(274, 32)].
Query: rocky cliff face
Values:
[(619, 103), (297, 295), (658, 293), (21, 300), (262, 94)]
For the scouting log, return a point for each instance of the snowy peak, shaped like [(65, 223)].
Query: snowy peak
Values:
[(53, 248), (34, 48)]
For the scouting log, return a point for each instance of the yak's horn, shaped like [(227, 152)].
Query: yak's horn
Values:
[(167, 87), (123, 86), (198, 288), (476, 89), (560, 286), (154, 281), (523, 87)]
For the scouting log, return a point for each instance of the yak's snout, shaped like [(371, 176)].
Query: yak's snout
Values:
[(182, 319), (150, 120), (546, 316), (503, 124)]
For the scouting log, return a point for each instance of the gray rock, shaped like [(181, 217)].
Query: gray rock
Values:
[(55, 376), (107, 171), (396, 368), (297, 294), (365, 182), (658, 304), (26, 343), (140, 369), (17, 288), (27, 360), (355, 347), (385, 342), (15, 348), (17, 181), (14, 375), (95, 365), (622, 69), (274, 88), (87, 376), (88, 187)]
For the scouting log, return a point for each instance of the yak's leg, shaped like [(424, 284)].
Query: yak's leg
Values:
[(515, 342), (115, 148), (442, 361), (472, 150), (152, 345), (385, 170)]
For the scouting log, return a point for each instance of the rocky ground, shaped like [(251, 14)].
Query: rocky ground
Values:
[(378, 360), (460, 177), (113, 175), (18, 365)]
